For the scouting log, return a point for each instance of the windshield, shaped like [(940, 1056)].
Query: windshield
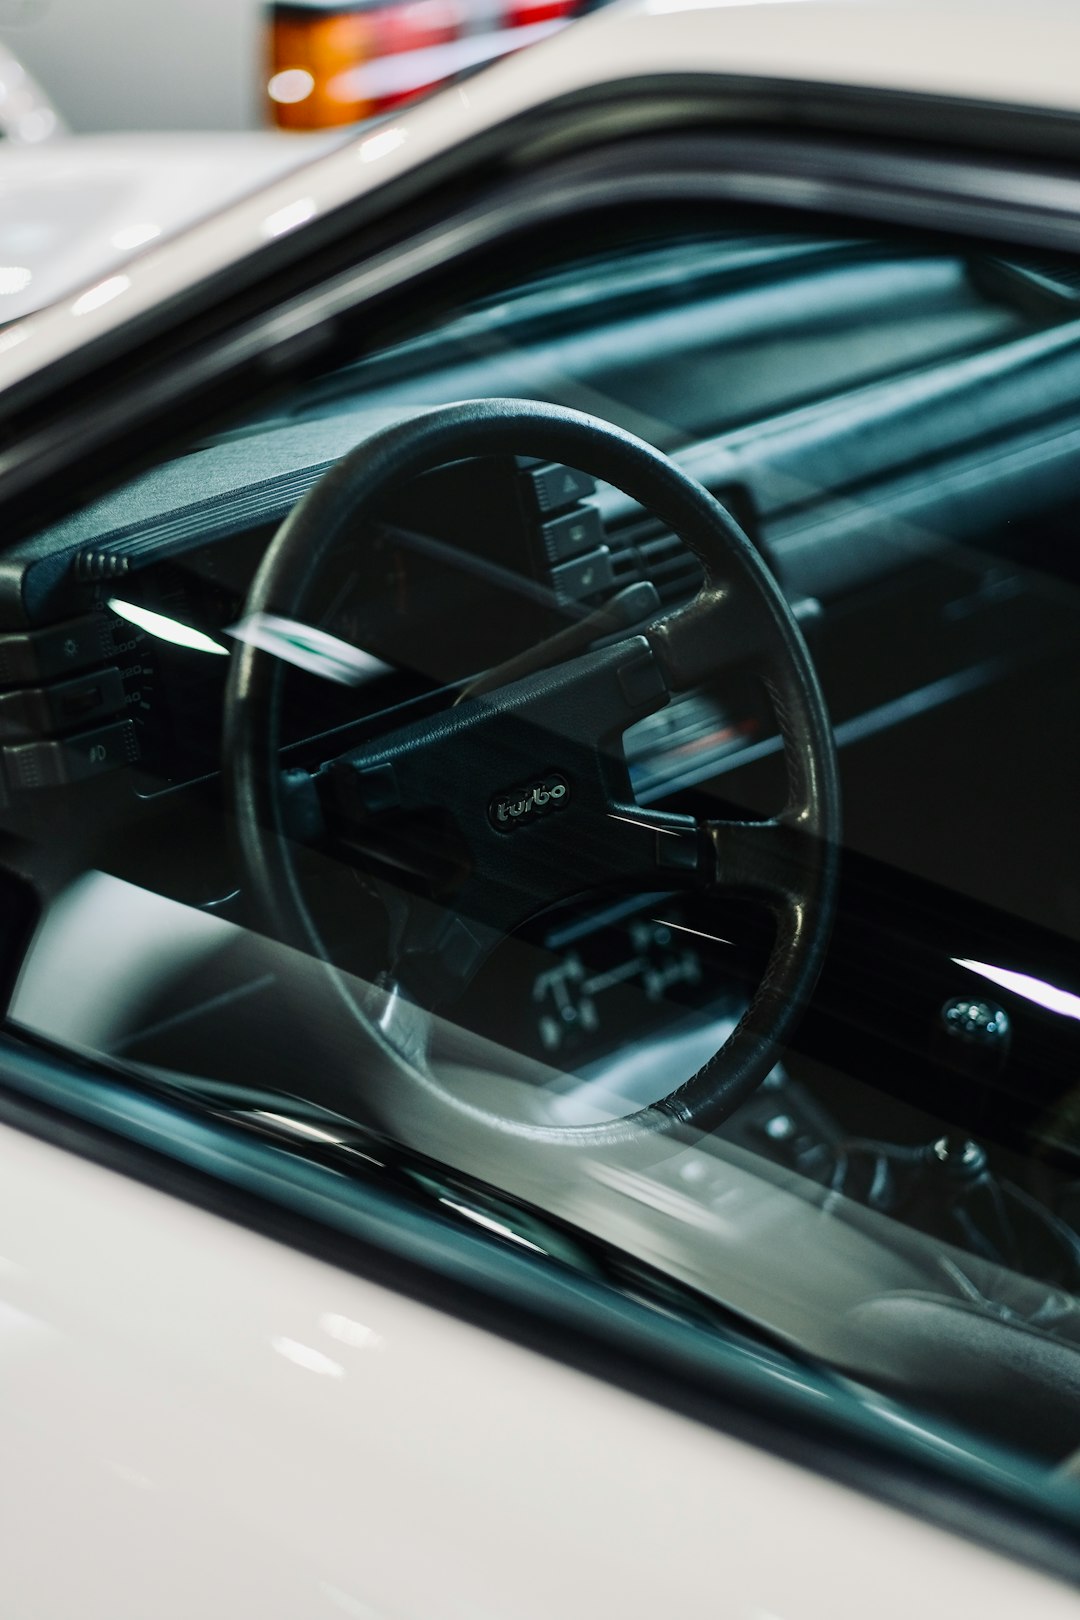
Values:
[(468, 781)]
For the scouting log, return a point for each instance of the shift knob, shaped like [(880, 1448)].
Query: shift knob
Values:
[(973, 1037)]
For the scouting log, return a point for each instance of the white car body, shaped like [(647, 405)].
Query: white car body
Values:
[(196, 1416), (199, 1417), (75, 207)]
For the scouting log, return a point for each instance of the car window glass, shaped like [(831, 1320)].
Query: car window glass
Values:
[(451, 886)]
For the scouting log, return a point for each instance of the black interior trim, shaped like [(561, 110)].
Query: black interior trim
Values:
[(192, 359)]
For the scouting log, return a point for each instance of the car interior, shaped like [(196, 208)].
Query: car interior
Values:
[(615, 741)]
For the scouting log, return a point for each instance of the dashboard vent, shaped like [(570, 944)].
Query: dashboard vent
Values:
[(645, 550)]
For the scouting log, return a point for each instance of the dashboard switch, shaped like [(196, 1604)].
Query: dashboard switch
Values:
[(554, 487), (585, 576), (42, 711), (74, 759), (59, 649), (571, 534)]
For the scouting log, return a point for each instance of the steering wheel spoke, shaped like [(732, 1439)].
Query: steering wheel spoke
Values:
[(657, 850), (769, 861)]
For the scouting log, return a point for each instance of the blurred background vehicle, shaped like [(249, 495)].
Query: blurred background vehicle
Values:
[(27, 116), (246, 64), (74, 207), (209, 88)]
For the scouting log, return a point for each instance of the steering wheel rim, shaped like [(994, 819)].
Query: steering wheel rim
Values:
[(738, 599)]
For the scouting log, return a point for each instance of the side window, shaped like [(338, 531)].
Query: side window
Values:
[(369, 760)]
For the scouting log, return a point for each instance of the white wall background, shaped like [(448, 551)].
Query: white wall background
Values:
[(143, 64)]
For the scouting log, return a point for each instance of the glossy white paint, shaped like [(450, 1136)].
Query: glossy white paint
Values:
[(198, 1421), (77, 208), (978, 49)]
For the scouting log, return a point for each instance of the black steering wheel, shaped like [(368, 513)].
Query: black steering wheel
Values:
[(532, 774)]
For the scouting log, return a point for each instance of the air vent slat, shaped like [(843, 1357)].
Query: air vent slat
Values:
[(648, 551)]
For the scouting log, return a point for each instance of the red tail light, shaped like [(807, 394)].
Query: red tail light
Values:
[(311, 49), (340, 61)]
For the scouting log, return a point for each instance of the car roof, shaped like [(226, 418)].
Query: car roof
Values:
[(986, 52)]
